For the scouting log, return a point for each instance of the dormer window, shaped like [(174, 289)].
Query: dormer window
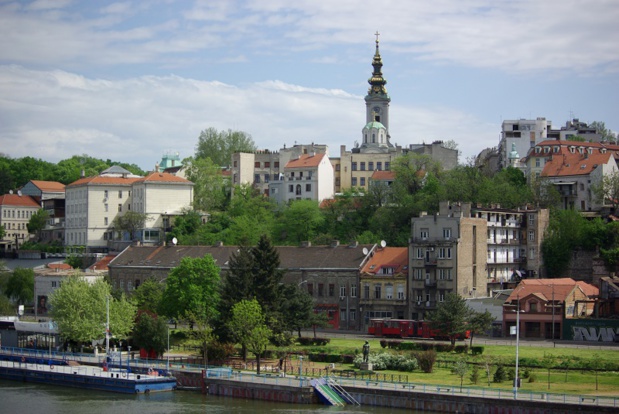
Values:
[(386, 270), (555, 149), (546, 150), (603, 150), (572, 149), (580, 150), (538, 150)]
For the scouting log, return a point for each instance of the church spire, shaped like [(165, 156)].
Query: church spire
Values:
[(377, 82)]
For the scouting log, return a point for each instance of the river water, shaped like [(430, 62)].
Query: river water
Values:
[(26, 398)]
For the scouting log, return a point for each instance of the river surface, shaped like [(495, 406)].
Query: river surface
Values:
[(26, 398)]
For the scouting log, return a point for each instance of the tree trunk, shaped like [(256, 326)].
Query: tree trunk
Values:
[(258, 364)]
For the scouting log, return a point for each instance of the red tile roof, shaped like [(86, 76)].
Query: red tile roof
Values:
[(395, 257), (59, 266), (17, 200), (102, 264), (105, 180), (52, 186), (546, 288), (383, 175), (163, 177), (305, 161), (566, 163)]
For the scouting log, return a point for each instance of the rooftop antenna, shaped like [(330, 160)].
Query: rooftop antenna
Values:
[(383, 244), (365, 251)]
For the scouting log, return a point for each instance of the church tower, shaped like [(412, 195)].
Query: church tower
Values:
[(376, 131)]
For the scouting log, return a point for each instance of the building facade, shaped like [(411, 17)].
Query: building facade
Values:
[(309, 177), (447, 254), (15, 213)]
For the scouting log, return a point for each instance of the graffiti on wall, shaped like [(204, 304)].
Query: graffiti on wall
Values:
[(595, 333)]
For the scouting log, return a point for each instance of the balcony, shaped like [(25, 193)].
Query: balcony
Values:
[(431, 262)]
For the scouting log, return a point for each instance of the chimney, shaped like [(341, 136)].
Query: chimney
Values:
[(82, 174)]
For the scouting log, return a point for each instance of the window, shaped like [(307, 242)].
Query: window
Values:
[(342, 291), (257, 164), (379, 166), (362, 181), (53, 283), (363, 166), (371, 166), (418, 274), (310, 289), (531, 235), (533, 307), (446, 233), (531, 219), (105, 221), (387, 165), (386, 270), (343, 314), (120, 194), (256, 178), (354, 166), (267, 164), (321, 289), (366, 291), (298, 191), (419, 253), (337, 167), (291, 188), (105, 193), (352, 313), (537, 162), (353, 290), (389, 292), (444, 253), (308, 187), (400, 292), (377, 291), (235, 164), (532, 253), (354, 181), (120, 207), (331, 289), (444, 274), (266, 178), (106, 206), (424, 233), (441, 297)]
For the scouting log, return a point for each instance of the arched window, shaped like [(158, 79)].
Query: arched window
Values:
[(298, 191), (373, 138)]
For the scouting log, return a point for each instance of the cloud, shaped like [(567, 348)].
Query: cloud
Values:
[(54, 115)]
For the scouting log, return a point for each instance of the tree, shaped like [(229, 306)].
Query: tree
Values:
[(480, 322), (150, 332), (192, 290), (300, 220), (147, 296), (20, 286), (267, 275), (220, 145), (451, 317), (79, 309), (2, 232), (249, 328), (297, 308), (460, 368), (211, 190), (37, 222), (130, 222), (607, 190), (606, 134)]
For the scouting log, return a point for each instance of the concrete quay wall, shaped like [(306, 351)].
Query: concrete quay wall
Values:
[(260, 391)]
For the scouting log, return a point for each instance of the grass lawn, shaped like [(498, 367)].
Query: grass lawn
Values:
[(573, 381)]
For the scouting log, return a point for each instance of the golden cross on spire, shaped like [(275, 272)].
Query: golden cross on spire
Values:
[(377, 34)]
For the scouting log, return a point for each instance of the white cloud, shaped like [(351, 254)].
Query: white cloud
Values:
[(54, 115)]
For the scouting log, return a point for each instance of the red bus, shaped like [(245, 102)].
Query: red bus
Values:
[(406, 328)]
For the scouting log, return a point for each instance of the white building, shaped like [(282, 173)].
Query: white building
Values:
[(308, 177), (93, 203), (15, 213), (521, 135)]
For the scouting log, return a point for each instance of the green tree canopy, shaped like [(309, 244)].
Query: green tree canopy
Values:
[(249, 328), (480, 322), (150, 332), (20, 286), (211, 189), (37, 222), (451, 317), (147, 296), (301, 220), (130, 222), (79, 309), (220, 145), (192, 290)]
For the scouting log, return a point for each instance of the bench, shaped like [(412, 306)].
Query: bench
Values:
[(583, 399), (409, 386), (371, 382), (439, 389)]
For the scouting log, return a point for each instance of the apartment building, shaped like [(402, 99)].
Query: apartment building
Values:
[(447, 254), (521, 135), (383, 280), (15, 213), (92, 204), (574, 168), (51, 195), (308, 177)]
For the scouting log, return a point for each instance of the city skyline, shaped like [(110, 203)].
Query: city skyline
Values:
[(130, 81)]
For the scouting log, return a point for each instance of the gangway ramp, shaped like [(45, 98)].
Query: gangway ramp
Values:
[(326, 393)]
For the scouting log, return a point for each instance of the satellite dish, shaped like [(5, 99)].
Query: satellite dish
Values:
[(365, 251), (383, 244), (174, 241)]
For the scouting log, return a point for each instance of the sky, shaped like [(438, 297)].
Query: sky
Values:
[(132, 80)]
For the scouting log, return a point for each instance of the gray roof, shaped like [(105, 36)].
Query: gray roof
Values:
[(313, 257), (115, 169)]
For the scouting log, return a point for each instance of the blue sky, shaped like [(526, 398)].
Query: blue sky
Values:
[(129, 81)]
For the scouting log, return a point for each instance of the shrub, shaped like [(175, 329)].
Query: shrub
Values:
[(410, 346), (443, 347), (532, 377), (499, 375), (477, 350), (304, 341), (461, 349), (383, 343), (511, 374), (220, 351), (426, 360), (385, 360), (475, 374)]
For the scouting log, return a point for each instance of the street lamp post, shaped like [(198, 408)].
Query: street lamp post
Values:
[(168, 353), (517, 346), (300, 370), (128, 358)]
